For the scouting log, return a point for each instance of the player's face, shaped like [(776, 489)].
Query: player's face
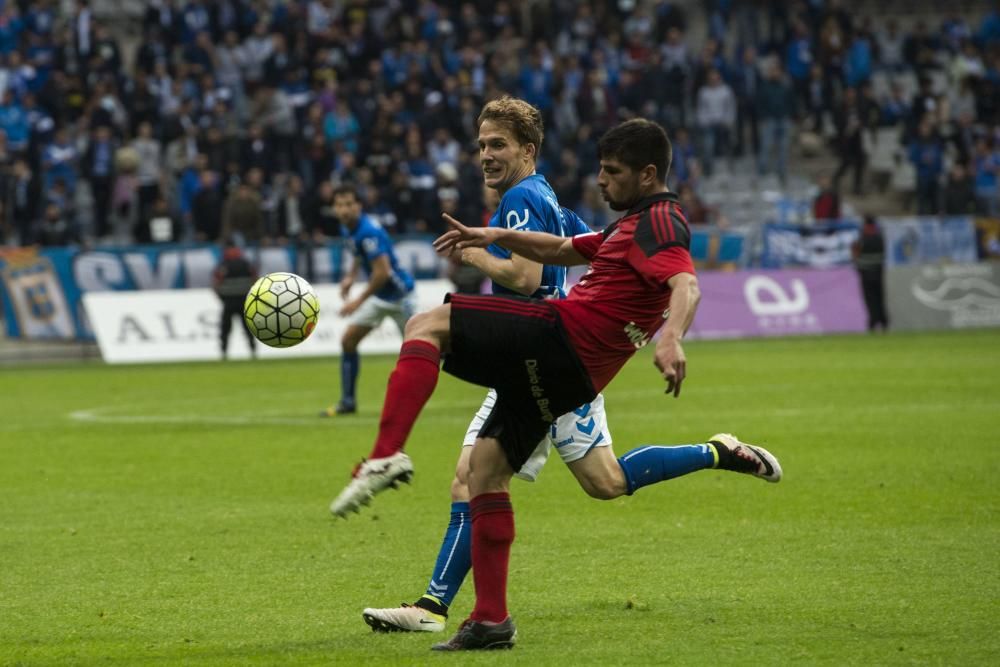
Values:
[(347, 209), (619, 184), (504, 160)]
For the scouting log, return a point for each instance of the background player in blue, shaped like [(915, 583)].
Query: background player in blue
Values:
[(389, 292), (510, 134)]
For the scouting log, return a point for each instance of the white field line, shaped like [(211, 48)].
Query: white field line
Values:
[(463, 411), (106, 415)]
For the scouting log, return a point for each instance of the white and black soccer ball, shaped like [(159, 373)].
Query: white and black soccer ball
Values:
[(281, 309)]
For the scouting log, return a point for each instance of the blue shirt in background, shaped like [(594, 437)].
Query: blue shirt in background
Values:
[(370, 241)]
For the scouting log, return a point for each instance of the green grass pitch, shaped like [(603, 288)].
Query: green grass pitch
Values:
[(178, 515)]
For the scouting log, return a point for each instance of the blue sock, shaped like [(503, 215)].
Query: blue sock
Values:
[(350, 364), (455, 557), (650, 464)]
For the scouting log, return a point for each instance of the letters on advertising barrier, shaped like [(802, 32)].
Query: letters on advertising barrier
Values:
[(183, 325), (779, 303)]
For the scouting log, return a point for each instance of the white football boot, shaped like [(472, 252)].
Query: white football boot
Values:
[(750, 459), (405, 618), (371, 477)]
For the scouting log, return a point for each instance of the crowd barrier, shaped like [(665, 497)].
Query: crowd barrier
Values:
[(951, 296), (42, 289), (183, 325)]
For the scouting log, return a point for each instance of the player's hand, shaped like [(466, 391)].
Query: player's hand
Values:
[(349, 307), (669, 359), (460, 236), (345, 288)]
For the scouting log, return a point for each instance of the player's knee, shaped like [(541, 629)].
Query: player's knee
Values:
[(432, 324), (414, 326)]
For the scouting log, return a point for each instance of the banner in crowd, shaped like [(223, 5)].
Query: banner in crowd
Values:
[(820, 245), (988, 237), (183, 325), (954, 296), (926, 240), (779, 303)]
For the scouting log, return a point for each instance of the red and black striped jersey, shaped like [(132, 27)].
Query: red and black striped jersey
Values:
[(623, 299)]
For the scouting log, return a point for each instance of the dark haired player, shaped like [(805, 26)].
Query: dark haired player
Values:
[(545, 357)]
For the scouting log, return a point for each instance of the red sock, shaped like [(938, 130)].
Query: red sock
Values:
[(492, 535), (410, 386)]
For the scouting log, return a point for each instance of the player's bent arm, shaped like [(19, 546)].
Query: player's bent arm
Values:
[(684, 299), (516, 273), (378, 278)]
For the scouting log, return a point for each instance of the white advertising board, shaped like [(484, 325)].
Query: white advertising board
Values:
[(183, 325)]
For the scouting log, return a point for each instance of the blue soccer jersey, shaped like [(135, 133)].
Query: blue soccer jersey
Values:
[(370, 241), (531, 206)]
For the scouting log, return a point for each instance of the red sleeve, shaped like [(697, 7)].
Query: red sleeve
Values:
[(663, 265), (588, 244)]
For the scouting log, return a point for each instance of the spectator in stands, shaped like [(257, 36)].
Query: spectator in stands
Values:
[(987, 166), (695, 210), (206, 207), (746, 78), (323, 224), (716, 115), (858, 60), (23, 198), (889, 53), (959, 194), (826, 205), (850, 119), (59, 161), (99, 170), (776, 106), (927, 155), (149, 172), (242, 213), (162, 226), (55, 228)]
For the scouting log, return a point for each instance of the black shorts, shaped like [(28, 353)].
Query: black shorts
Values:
[(517, 346)]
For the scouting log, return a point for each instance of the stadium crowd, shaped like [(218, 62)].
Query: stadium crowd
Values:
[(239, 117)]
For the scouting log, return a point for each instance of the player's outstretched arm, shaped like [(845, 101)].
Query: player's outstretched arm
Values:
[(536, 246)]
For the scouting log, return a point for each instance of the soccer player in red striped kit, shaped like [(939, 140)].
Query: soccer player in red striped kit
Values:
[(546, 357)]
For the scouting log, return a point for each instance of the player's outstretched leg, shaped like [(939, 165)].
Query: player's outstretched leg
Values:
[(651, 464)]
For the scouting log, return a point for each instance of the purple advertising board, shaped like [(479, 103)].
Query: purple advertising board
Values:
[(779, 303)]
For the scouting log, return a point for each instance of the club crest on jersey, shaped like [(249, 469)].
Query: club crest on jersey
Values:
[(636, 335)]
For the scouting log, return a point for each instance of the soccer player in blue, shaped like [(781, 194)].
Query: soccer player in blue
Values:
[(389, 292), (510, 134)]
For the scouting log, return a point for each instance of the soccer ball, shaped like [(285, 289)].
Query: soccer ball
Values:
[(281, 309)]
